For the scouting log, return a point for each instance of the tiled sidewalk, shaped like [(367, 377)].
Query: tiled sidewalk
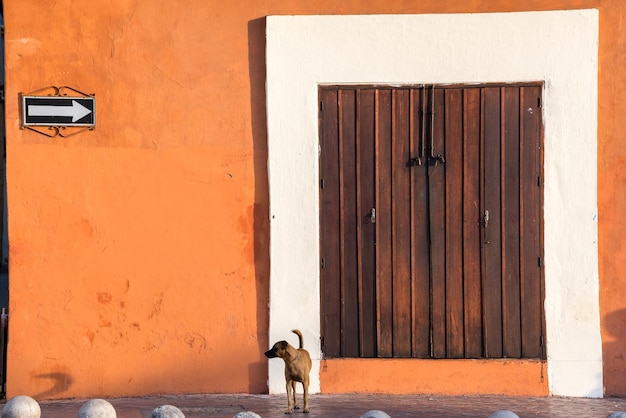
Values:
[(338, 406)]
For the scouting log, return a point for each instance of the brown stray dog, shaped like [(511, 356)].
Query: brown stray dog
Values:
[(297, 368)]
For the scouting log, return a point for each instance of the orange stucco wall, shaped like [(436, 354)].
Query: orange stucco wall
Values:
[(139, 251), (446, 377), (612, 194)]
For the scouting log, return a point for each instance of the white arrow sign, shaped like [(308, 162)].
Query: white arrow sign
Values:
[(76, 111)]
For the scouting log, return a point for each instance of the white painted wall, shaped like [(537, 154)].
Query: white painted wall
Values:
[(558, 47)]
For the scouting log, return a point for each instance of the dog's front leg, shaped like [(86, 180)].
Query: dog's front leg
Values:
[(295, 397), (291, 395)]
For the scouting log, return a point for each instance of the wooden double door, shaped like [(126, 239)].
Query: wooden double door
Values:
[(431, 221)]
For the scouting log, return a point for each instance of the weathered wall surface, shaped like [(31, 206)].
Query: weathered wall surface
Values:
[(139, 252)]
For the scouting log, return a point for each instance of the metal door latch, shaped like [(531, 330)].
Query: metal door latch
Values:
[(485, 223), (371, 217)]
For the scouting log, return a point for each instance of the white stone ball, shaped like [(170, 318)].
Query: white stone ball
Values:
[(504, 413), (375, 413), (247, 414), (21, 407), (167, 411), (97, 408)]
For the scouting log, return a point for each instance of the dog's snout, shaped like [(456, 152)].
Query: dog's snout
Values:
[(271, 354)]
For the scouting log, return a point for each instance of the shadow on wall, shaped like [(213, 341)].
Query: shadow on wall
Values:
[(614, 353), (258, 374), (56, 383), (59, 382)]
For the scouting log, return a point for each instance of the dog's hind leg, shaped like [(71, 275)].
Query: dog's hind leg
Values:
[(305, 387)]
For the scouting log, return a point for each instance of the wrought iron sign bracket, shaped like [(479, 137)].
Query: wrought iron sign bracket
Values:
[(57, 111)]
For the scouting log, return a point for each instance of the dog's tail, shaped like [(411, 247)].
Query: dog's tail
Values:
[(299, 334)]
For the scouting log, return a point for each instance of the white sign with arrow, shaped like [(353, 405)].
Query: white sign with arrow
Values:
[(58, 111)]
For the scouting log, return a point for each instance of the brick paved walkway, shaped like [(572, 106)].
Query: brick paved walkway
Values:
[(339, 406)]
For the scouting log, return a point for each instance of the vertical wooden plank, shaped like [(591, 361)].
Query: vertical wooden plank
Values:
[(530, 206), (349, 216), (492, 284), (437, 212), (472, 223), (511, 225), (454, 223), (420, 261), (401, 230), (329, 224), (383, 225), (367, 236)]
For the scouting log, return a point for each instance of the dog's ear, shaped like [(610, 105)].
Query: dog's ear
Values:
[(283, 344)]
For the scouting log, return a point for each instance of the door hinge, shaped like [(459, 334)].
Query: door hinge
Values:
[(323, 263), (539, 102), (321, 106), (538, 181), (539, 262), (321, 183), (322, 342), (541, 341)]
